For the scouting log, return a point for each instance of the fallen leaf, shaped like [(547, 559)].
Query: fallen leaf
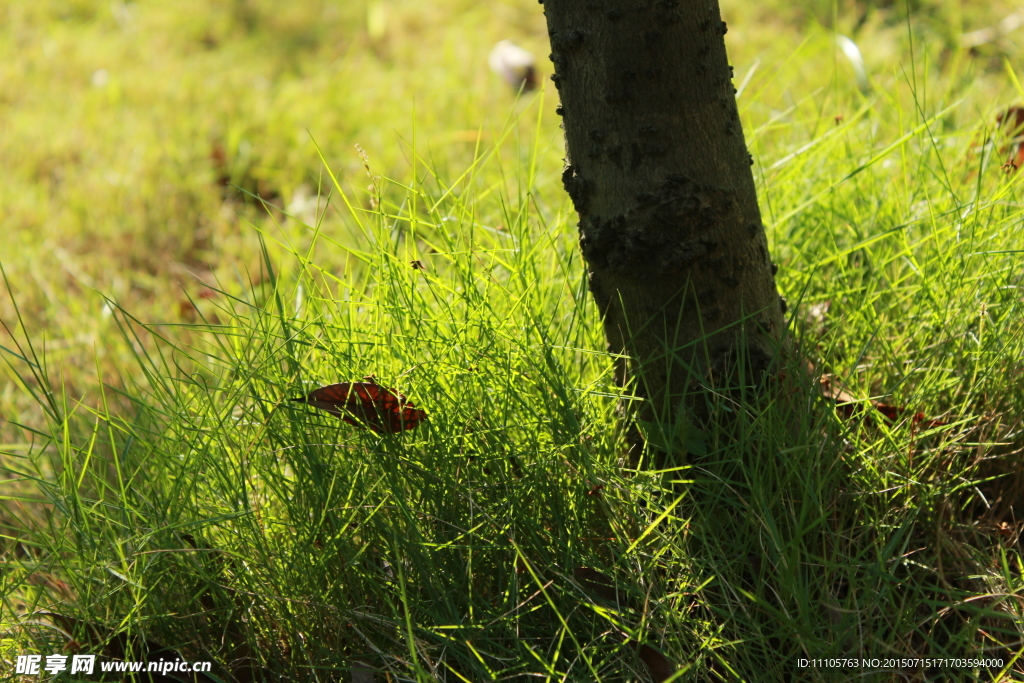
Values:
[(186, 310), (596, 583), (847, 405), (366, 404), (219, 161), (515, 65), (658, 665), (1012, 123)]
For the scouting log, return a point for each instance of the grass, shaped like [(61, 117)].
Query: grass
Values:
[(159, 487)]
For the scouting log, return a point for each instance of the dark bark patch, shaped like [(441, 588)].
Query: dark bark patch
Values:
[(652, 38), (655, 149), (615, 156), (577, 187), (636, 156), (564, 41), (668, 229), (667, 11), (597, 237), (600, 296), (616, 95)]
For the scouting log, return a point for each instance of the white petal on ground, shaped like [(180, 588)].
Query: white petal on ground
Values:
[(514, 64), (852, 53)]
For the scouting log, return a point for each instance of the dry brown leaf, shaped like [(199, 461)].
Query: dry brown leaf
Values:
[(1012, 123), (596, 583)]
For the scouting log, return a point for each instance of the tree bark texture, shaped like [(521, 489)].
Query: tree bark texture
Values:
[(659, 173)]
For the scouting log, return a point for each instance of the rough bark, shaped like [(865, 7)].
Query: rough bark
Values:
[(659, 173)]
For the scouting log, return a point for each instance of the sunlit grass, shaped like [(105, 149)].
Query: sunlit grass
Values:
[(171, 492)]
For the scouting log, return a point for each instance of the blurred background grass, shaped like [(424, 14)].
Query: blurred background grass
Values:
[(124, 121), (136, 137)]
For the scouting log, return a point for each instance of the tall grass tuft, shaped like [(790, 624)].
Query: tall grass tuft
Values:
[(190, 506)]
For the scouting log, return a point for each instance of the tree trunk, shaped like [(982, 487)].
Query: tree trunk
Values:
[(660, 176)]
